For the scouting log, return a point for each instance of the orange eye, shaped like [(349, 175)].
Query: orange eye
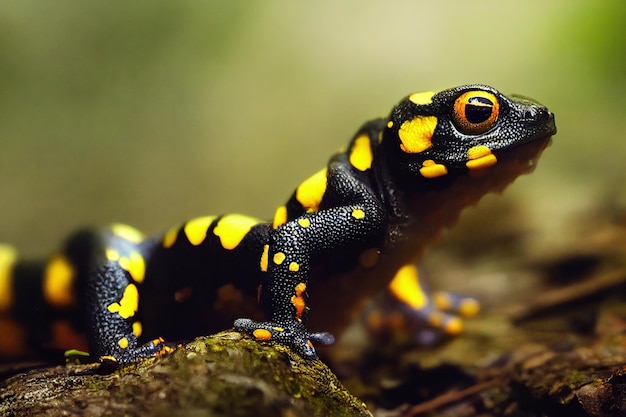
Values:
[(475, 112)]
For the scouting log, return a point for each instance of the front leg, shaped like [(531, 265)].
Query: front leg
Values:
[(308, 241)]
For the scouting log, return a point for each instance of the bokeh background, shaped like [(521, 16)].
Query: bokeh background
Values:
[(153, 112)]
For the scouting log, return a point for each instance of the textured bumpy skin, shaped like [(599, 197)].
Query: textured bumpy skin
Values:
[(355, 227)]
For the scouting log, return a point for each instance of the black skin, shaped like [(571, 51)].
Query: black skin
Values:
[(358, 210)]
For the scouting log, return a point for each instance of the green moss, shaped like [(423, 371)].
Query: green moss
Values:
[(223, 375)]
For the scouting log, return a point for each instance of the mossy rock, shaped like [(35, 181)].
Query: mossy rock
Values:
[(227, 374)]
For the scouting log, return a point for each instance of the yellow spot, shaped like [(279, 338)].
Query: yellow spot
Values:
[(300, 288), (369, 258), (416, 134), (358, 214), (294, 267), (127, 232), (430, 169), (264, 256), (298, 299), (390, 124), (469, 307), (262, 334), (454, 326), (112, 255), (405, 286), (137, 329), (58, 282), (442, 300), (304, 222), (127, 306), (135, 266), (123, 343), (279, 258), (310, 192), (196, 229), (232, 228), (280, 217), (278, 329), (8, 257), (361, 153), (425, 97), (480, 157), (170, 237)]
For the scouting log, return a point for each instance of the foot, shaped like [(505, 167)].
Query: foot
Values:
[(293, 335)]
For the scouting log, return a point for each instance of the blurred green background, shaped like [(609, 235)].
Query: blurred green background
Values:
[(153, 112)]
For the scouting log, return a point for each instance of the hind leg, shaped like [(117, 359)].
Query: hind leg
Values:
[(409, 310), (112, 264)]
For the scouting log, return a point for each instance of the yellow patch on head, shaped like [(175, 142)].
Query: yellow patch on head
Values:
[(262, 334), (170, 237), (58, 282), (123, 343), (196, 229), (8, 257), (279, 258), (416, 134), (358, 214), (425, 97), (264, 256), (310, 192), (280, 217), (304, 222), (232, 228), (112, 255), (127, 306), (137, 328), (135, 265), (361, 153), (431, 169), (480, 157), (127, 232), (390, 124), (405, 286)]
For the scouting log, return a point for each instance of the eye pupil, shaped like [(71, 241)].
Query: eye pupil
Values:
[(475, 112), (478, 109)]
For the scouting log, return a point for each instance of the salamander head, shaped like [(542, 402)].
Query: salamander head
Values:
[(435, 137)]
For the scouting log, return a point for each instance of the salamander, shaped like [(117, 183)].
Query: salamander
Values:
[(352, 229)]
